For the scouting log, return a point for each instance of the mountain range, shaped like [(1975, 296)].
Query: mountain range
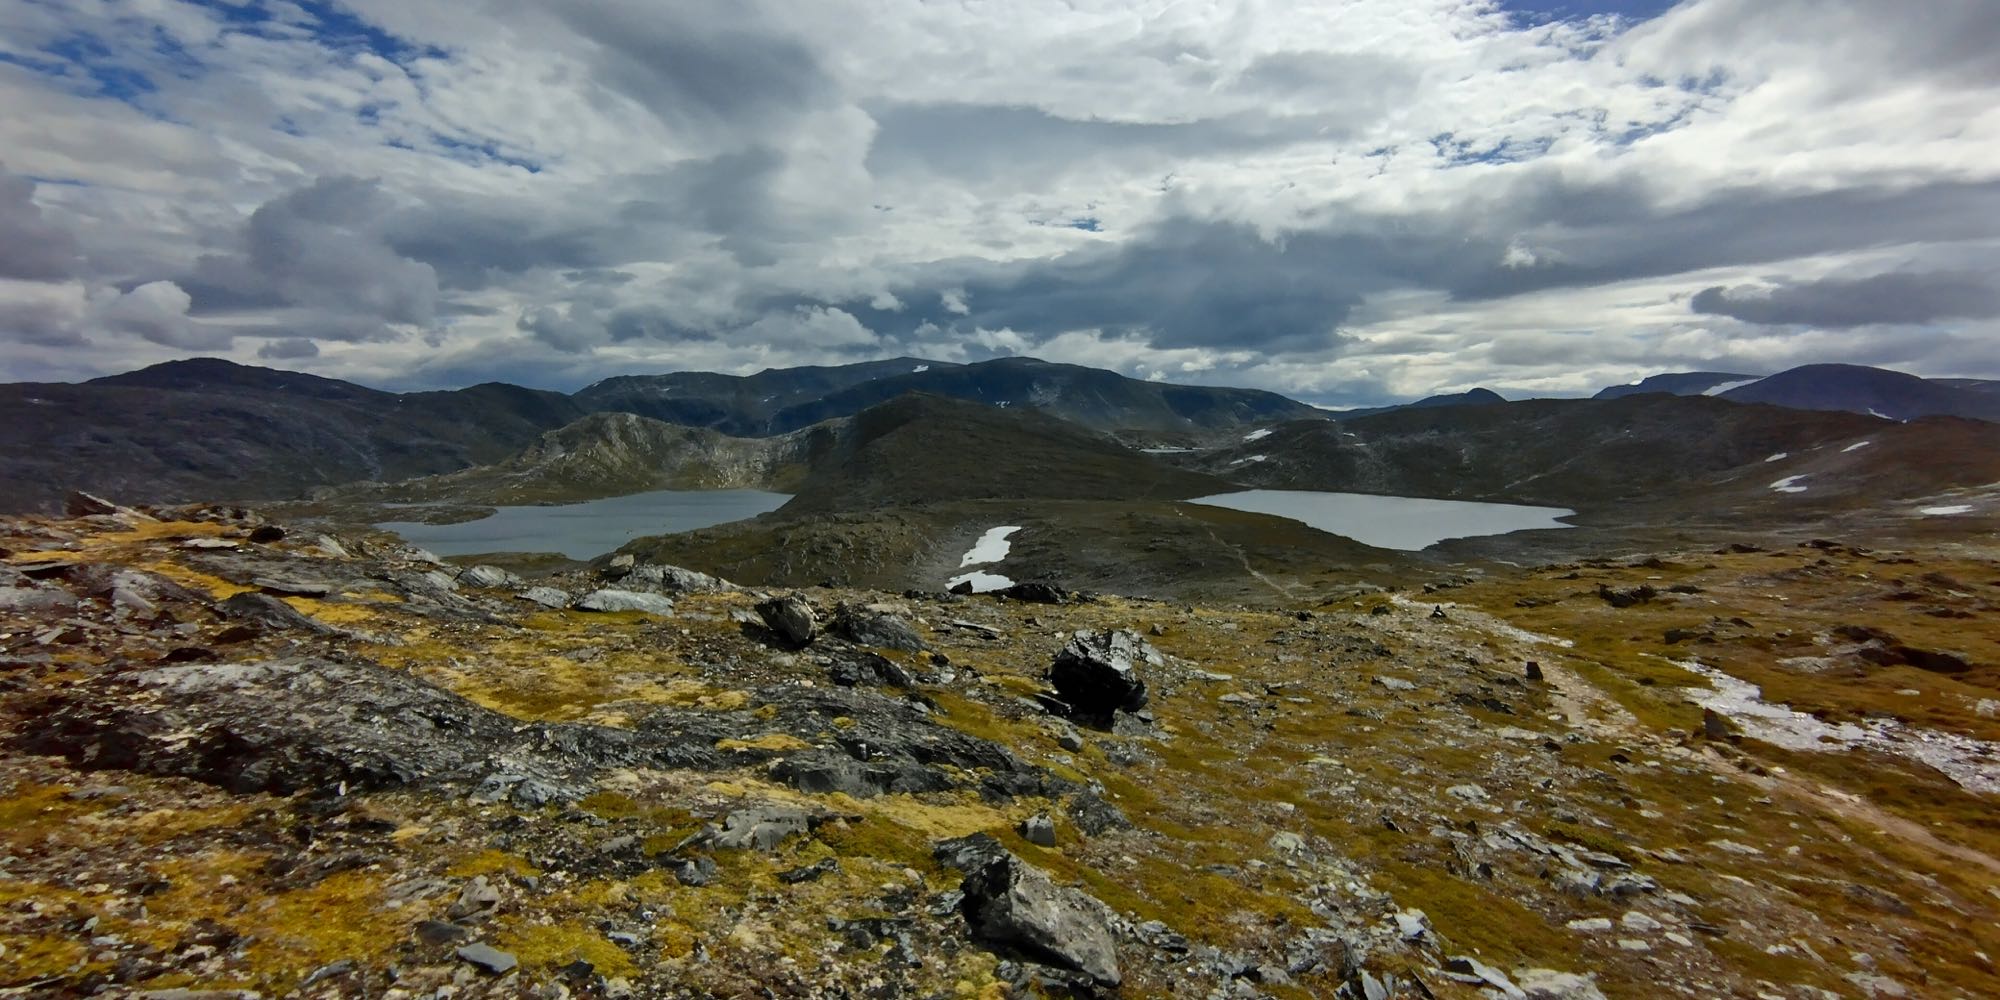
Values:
[(206, 428)]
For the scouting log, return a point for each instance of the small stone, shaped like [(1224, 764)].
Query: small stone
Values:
[(1590, 925), (1534, 671), (1412, 925), (1634, 920), (487, 958), (1634, 944), (1395, 684), (478, 899), (265, 534), (438, 932)]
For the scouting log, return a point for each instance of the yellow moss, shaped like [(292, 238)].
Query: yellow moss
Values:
[(341, 917), (40, 956), (31, 807), (215, 586), (773, 742), (489, 862), (552, 946)]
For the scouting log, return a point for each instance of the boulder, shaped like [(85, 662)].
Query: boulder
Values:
[(1096, 675), (860, 667), (268, 613), (791, 618), (625, 600), (1035, 593), (488, 576), (548, 597), (81, 504), (674, 580), (487, 958), (1013, 905), (760, 827), (1039, 829), (866, 627), (265, 534)]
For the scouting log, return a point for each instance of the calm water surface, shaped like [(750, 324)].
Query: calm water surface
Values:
[(588, 530), (1407, 523)]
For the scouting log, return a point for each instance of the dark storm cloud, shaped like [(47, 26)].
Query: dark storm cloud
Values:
[(32, 247), (475, 243), (710, 65), (290, 349), (320, 247), (983, 141), (1896, 297), (1188, 283)]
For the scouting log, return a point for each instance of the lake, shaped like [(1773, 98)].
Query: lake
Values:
[(588, 530), (1407, 523)]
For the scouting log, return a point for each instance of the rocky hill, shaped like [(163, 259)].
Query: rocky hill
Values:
[(206, 428), (1470, 397), (1858, 389), (918, 449), (245, 758), (739, 405), (1593, 454), (1091, 397), (614, 454), (1678, 384)]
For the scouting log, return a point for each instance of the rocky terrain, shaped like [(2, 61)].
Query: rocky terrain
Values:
[(247, 759)]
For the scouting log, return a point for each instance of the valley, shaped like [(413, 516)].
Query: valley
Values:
[(1722, 718)]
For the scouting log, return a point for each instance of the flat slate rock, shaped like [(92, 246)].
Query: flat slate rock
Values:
[(625, 600)]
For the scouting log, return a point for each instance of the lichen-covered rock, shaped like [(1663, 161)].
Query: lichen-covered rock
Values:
[(299, 725)]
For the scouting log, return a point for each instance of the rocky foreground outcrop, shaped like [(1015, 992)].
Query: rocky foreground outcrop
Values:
[(247, 757)]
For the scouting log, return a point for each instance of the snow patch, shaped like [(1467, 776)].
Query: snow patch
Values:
[(991, 547), (1856, 446), (920, 368), (1966, 761), (1717, 390), (1779, 457), (982, 581), (1165, 451), (1957, 508), (1251, 458), (1789, 484), (1258, 435)]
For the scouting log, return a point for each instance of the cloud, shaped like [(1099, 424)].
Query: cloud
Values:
[(31, 246), (322, 246), (290, 349), (1344, 201), (1839, 303)]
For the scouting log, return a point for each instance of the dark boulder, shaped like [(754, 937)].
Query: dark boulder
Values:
[(1013, 906), (1627, 597), (791, 618), (268, 613), (1035, 593), (859, 668), (865, 627), (1096, 675)]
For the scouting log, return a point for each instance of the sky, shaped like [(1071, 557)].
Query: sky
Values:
[(1349, 202)]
